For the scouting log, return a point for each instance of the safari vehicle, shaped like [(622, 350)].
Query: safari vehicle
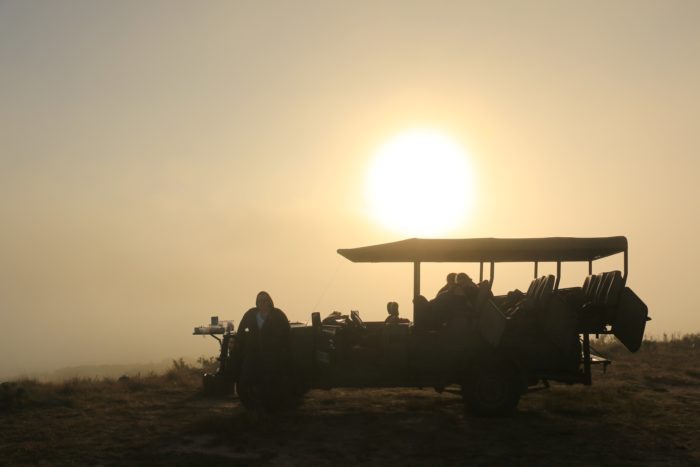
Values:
[(512, 343)]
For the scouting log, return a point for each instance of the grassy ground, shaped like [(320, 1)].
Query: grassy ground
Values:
[(645, 410)]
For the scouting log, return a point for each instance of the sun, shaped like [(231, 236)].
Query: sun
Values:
[(420, 184)]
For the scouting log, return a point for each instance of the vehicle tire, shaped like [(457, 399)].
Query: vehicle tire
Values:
[(214, 385), (492, 390), (210, 385)]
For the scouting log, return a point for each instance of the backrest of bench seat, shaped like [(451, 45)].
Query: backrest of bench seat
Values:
[(601, 291), (616, 284), (593, 284), (533, 287), (541, 289), (604, 288), (546, 290)]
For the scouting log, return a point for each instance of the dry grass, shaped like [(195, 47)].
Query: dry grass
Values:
[(645, 410)]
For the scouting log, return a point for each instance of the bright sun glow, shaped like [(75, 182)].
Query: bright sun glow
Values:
[(420, 184)]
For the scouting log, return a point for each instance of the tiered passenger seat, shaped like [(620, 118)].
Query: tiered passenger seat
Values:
[(542, 327), (602, 294), (604, 288), (536, 298), (540, 291)]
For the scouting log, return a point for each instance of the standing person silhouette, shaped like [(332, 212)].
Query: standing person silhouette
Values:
[(264, 316), (264, 346)]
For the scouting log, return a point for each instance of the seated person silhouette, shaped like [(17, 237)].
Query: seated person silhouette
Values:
[(467, 288), (393, 309), (449, 284), (458, 301)]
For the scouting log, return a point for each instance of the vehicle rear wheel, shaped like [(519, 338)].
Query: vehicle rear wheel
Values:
[(492, 390)]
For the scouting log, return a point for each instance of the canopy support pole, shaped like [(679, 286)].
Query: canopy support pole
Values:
[(587, 359), (556, 284), (536, 264), (481, 271), (416, 286)]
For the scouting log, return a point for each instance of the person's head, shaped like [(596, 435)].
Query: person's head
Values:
[(392, 308), (451, 278), (463, 280), (263, 301)]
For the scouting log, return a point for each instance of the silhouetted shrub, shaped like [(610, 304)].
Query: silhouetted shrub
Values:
[(11, 396)]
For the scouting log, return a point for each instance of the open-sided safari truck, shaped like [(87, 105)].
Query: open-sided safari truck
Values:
[(503, 346)]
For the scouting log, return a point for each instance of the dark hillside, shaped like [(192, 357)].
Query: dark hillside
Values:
[(645, 410)]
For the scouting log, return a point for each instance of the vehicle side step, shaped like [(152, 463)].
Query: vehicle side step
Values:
[(545, 385), (598, 360)]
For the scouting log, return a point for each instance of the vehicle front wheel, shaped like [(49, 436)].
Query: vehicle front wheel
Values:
[(492, 390), (250, 395), (215, 385)]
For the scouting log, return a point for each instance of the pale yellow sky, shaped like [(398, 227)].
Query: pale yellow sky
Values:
[(161, 162)]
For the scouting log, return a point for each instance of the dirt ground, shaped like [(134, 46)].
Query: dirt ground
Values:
[(644, 411)]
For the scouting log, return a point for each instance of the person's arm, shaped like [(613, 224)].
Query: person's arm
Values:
[(248, 321), (278, 334), (241, 341), (285, 327)]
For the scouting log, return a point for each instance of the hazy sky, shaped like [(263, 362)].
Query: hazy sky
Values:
[(162, 162)]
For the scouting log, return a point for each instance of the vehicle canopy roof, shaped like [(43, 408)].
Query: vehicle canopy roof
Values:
[(484, 250)]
